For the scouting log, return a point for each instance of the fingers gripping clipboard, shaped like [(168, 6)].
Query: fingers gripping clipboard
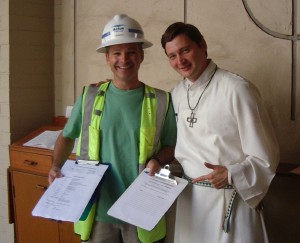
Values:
[(148, 198)]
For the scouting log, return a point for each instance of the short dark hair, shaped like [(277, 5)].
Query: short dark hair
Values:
[(179, 28)]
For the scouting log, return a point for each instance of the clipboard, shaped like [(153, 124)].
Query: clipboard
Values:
[(148, 198), (87, 162), (67, 197), (166, 174)]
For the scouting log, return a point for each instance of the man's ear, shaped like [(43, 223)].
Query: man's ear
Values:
[(203, 44), (106, 56), (142, 55)]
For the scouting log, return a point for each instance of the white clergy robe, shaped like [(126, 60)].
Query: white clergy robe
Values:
[(230, 128)]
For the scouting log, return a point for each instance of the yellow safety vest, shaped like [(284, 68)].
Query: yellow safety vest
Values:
[(154, 110)]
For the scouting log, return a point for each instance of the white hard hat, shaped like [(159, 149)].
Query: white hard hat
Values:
[(121, 30)]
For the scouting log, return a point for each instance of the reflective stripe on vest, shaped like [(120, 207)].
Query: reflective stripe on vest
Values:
[(154, 109), (92, 108)]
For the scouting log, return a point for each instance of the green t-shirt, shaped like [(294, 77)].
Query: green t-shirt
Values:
[(119, 139)]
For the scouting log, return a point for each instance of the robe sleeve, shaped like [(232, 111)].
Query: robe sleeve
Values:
[(252, 176)]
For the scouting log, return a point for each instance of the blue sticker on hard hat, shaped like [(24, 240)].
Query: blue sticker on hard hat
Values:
[(136, 31), (105, 35)]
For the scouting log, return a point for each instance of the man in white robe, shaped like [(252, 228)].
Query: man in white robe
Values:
[(225, 144)]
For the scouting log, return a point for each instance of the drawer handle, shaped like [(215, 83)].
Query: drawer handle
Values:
[(30, 162), (38, 186)]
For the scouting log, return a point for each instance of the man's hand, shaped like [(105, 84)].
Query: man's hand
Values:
[(54, 173), (218, 177), (62, 149), (154, 166)]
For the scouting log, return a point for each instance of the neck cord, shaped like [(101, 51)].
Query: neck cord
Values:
[(187, 94)]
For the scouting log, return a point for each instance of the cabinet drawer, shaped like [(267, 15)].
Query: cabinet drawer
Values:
[(32, 162)]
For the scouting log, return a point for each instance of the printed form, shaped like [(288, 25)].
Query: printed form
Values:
[(147, 199), (66, 198)]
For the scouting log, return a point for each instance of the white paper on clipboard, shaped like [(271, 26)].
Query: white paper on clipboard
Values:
[(146, 200), (66, 198)]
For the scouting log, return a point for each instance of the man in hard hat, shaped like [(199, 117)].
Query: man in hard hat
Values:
[(226, 145), (123, 122)]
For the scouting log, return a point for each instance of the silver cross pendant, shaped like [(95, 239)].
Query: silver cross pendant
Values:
[(191, 119)]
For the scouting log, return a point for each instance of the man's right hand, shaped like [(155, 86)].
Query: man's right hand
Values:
[(62, 149), (55, 172)]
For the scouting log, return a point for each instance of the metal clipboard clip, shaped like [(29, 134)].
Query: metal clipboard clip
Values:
[(87, 162), (166, 174)]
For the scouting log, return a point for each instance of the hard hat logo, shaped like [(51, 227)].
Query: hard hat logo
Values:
[(118, 28), (121, 30)]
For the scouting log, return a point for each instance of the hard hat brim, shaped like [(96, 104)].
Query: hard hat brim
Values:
[(145, 43)]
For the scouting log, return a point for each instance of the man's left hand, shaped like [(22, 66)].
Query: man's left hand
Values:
[(218, 177)]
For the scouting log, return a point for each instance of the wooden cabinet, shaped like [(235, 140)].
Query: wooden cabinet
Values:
[(28, 180)]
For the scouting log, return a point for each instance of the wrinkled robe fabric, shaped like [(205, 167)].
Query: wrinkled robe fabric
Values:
[(232, 129)]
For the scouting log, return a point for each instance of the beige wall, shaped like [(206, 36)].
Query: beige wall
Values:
[(234, 42), (31, 86)]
